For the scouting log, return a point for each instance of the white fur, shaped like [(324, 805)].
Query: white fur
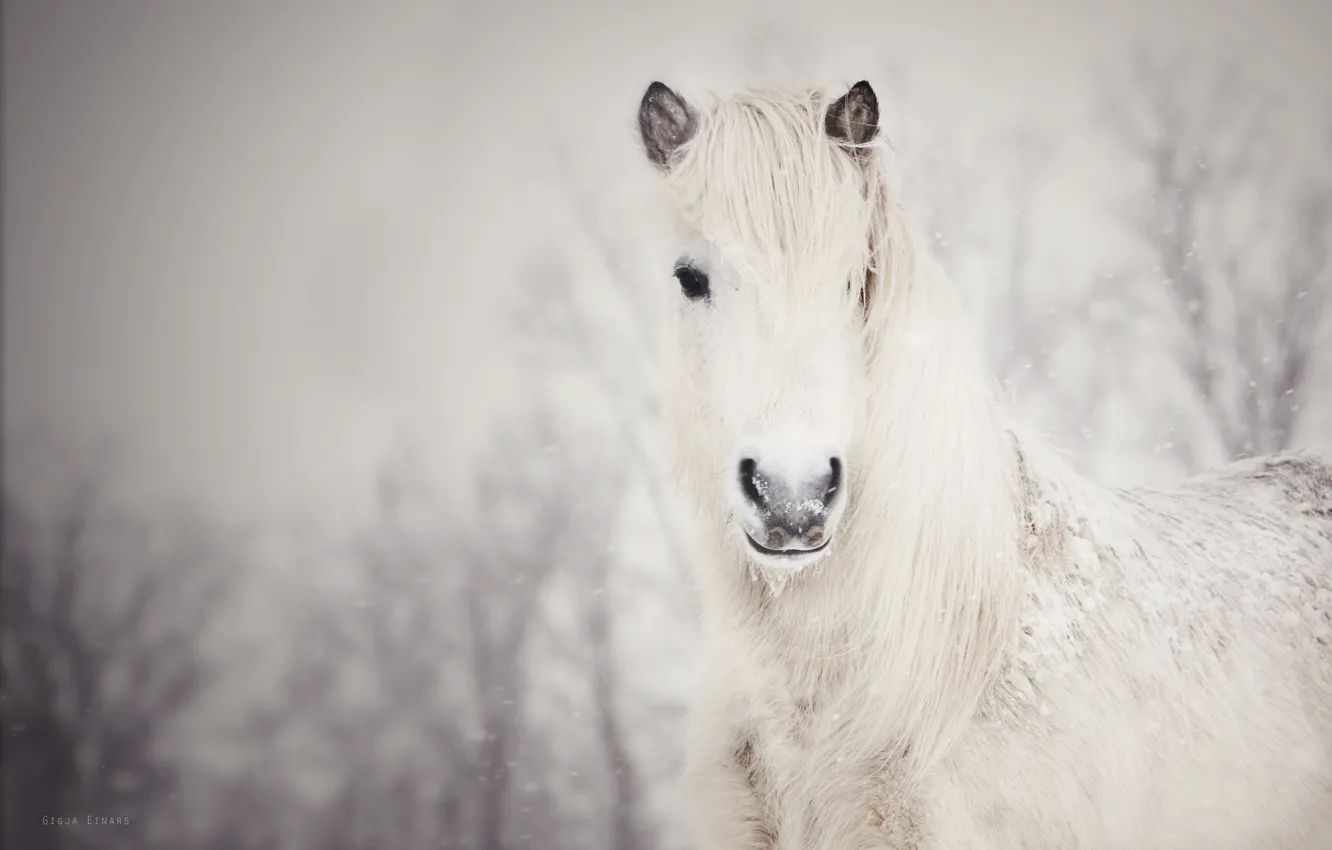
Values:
[(995, 652)]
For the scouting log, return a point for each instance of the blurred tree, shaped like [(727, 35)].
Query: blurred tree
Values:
[(100, 637), (370, 703), (407, 694), (538, 505), (629, 831), (1234, 235), (1048, 338), (598, 320)]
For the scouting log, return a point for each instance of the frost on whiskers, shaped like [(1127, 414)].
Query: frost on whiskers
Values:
[(776, 580)]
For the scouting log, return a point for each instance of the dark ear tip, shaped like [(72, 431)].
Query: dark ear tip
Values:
[(665, 122), (854, 117), (656, 90)]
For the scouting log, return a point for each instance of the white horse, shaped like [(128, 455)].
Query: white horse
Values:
[(923, 629)]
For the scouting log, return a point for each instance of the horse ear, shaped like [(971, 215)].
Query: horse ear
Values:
[(666, 122), (853, 119)]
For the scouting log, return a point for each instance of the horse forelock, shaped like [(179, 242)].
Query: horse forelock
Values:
[(763, 183)]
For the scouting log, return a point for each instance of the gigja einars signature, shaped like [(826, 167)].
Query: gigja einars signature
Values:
[(85, 820)]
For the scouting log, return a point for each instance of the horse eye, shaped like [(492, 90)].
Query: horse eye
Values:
[(866, 291), (693, 282)]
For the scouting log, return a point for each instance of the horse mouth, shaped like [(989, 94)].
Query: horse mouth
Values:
[(785, 553)]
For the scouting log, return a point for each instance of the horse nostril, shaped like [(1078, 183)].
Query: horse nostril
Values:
[(749, 481), (834, 480)]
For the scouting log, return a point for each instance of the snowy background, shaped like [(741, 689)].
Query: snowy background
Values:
[(332, 514)]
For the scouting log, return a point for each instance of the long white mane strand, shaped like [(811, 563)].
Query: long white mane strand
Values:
[(932, 542)]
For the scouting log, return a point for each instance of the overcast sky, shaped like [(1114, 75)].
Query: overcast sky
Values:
[(253, 241)]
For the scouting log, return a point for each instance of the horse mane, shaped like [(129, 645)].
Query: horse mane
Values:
[(921, 594), (933, 533)]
